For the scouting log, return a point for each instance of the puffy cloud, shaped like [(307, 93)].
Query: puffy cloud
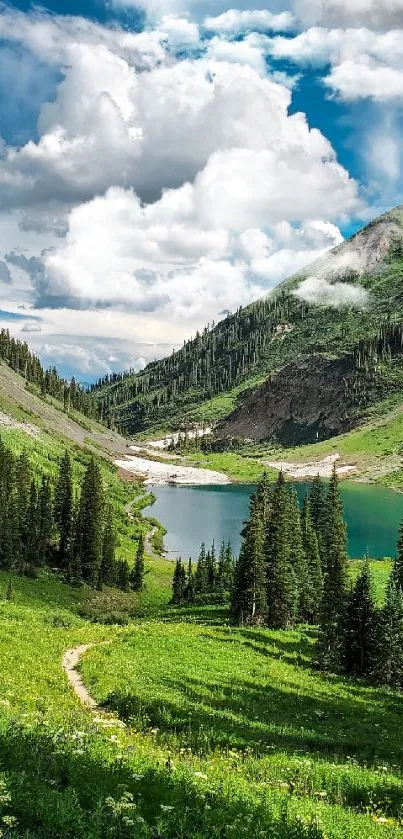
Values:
[(50, 37), (319, 292), (364, 64), (250, 51), (237, 21), (158, 129), (161, 189), (377, 13), (366, 79), (167, 259)]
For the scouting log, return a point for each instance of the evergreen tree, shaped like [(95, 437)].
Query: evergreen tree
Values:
[(282, 591), (248, 604), (317, 504), (31, 546), (331, 635), (361, 625), (178, 583), (211, 568), (311, 548), (45, 522), (90, 524), (123, 575), (108, 563), (388, 658), (264, 495), (64, 511), (201, 572), (190, 584), (137, 575), (299, 560)]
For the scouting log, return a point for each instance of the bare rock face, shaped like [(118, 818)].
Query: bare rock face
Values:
[(312, 399)]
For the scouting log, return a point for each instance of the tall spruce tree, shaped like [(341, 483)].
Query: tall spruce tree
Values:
[(314, 594), (137, 575), (45, 522), (179, 583), (190, 584), (299, 560), (63, 511), (331, 633), (201, 572), (317, 505), (282, 590), (211, 567), (90, 524), (388, 658), (123, 575), (248, 605), (360, 628), (31, 545), (108, 571)]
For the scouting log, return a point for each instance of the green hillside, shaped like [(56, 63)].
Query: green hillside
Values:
[(263, 365)]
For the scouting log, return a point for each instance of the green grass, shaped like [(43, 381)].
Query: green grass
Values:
[(250, 742), (244, 707)]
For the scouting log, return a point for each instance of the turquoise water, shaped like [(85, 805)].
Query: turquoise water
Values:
[(192, 515)]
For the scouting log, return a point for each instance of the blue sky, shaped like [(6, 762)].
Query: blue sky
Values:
[(164, 162)]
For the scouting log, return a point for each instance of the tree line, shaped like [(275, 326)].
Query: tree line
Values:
[(18, 356), (293, 568), (211, 581), (61, 526)]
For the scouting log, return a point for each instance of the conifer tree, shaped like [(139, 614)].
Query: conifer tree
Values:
[(299, 560), (108, 563), (31, 546), (264, 493), (201, 572), (45, 522), (331, 634), (123, 575), (388, 658), (190, 583), (317, 504), (361, 625), (311, 548), (178, 583), (211, 568), (137, 575), (90, 524), (282, 591), (64, 511), (248, 604)]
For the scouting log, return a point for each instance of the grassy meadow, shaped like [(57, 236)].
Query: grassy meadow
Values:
[(207, 731)]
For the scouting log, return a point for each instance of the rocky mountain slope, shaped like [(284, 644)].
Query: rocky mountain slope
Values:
[(304, 363)]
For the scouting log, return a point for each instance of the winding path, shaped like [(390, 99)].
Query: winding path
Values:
[(70, 661)]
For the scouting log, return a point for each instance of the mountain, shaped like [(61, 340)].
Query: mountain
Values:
[(303, 363)]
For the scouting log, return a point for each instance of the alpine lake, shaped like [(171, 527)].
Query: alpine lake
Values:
[(196, 514)]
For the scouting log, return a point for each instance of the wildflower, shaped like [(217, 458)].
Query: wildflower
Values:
[(166, 808), (200, 775)]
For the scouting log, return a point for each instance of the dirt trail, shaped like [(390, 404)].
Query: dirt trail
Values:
[(70, 661)]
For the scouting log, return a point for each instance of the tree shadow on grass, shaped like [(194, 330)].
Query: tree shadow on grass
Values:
[(264, 721), (297, 652), (245, 714)]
